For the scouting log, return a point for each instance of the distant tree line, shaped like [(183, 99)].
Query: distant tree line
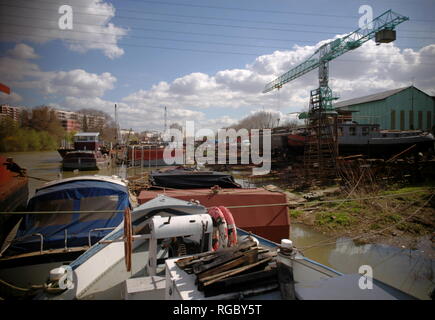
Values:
[(263, 120), (39, 129)]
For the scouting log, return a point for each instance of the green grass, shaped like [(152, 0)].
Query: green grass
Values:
[(333, 219), (295, 213), (392, 218), (411, 227)]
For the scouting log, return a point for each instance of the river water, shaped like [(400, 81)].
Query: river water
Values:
[(408, 270)]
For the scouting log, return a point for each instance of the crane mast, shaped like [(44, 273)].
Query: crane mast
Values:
[(321, 149)]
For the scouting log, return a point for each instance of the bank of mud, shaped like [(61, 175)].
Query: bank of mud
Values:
[(401, 216)]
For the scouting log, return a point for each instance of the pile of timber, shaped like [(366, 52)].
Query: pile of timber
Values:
[(138, 183), (242, 268)]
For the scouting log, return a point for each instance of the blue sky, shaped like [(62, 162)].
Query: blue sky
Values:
[(205, 60)]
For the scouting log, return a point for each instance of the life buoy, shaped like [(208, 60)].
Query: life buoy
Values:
[(220, 230), (231, 225)]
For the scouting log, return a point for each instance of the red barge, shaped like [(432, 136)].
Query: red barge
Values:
[(14, 193), (257, 210)]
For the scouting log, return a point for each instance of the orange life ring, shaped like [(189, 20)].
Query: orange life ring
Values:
[(231, 225), (128, 238), (220, 230)]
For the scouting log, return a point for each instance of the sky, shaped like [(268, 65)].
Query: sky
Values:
[(206, 61)]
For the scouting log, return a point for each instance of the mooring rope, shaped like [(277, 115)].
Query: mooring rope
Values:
[(230, 207)]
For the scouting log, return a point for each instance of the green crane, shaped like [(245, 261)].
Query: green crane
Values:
[(321, 148), (382, 28)]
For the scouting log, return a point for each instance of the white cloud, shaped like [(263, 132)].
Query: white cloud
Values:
[(209, 99), (22, 51), (78, 83), (12, 98), (18, 72), (364, 71), (37, 21)]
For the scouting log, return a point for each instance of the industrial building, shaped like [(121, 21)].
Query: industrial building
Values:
[(406, 108)]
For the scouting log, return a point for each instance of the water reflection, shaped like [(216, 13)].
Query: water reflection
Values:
[(408, 270)]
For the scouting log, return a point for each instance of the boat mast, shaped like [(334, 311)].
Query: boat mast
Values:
[(118, 131), (166, 119)]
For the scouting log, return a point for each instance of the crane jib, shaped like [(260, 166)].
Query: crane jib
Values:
[(382, 30)]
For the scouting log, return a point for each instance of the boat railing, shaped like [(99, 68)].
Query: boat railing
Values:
[(95, 230), (40, 235)]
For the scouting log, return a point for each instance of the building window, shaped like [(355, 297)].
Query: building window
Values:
[(365, 131), (402, 120), (340, 131), (352, 131), (429, 120), (393, 119), (420, 120), (411, 120)]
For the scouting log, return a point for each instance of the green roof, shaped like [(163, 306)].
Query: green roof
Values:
[(373, 97)]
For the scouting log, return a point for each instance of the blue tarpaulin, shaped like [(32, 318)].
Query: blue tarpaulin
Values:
[(78, 195)]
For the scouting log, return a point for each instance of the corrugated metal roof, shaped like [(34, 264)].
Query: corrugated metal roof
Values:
[(369, 98)]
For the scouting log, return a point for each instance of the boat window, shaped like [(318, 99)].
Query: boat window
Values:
[(352, 131), (365, 131), (82, 138), (43, 220), (98, 204)]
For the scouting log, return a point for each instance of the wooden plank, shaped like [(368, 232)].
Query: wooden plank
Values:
[(210, 255), (212, 279), (401, 153), (253, 280), (248, 257), (200, 267)]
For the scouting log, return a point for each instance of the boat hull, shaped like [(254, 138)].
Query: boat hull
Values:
[(79, 163), (14, 192)]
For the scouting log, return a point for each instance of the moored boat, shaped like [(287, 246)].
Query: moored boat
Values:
[(368, 139), (260, 211), (69, 216), (173, 257), (14, 192), (85, 160), (88, 153), (189, 178)]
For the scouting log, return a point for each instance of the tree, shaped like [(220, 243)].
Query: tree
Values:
[(258, 120), (176, 125), (40, 118)]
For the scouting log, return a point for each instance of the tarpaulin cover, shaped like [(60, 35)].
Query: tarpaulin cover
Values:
[(82, 195), (188, 179)]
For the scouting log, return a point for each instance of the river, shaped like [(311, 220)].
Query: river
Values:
[(408, 270)]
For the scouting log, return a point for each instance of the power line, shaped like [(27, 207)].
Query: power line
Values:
[(259, 10), (156, 38), (151, 38), (182, 32), (200, 17), (213, 24), (173, 48)]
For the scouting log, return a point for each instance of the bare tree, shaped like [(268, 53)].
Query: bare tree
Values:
[(259, 120)]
